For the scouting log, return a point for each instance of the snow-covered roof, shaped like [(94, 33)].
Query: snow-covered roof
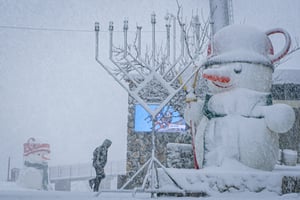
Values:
[(281, 76)]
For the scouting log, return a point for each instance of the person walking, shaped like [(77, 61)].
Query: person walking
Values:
[(99, 162)]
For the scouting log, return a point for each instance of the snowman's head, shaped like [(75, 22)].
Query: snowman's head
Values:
[(38, 157), (224, 77), (36, 152), (242, 56)]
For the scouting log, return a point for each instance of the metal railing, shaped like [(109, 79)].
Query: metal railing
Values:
[(84, 171)]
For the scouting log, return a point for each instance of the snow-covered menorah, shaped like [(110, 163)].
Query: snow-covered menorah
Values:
[(128, 66), (155, 72)]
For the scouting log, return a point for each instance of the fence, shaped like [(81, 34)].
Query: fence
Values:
[(84, 171)]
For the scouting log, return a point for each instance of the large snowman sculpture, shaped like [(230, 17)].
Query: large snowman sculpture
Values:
[(34, 174), (238, 120)]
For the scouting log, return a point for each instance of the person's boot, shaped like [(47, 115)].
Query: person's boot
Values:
[(96, 185), (96, 188), (91, 183)]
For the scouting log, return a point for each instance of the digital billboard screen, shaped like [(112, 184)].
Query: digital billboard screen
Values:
[(168, 120)]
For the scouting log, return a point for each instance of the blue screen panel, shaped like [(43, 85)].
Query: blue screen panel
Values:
[(168, 120)]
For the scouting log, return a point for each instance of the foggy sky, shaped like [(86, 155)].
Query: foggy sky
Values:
[(51, 87)]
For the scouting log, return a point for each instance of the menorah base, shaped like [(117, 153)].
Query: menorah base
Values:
[(151, 181)]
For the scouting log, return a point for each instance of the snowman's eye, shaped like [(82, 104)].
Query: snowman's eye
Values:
[(238, 69)]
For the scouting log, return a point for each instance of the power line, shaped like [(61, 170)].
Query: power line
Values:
[(30, 28), (44, 29)]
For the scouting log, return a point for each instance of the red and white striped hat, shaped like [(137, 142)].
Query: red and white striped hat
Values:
[(31, 146)]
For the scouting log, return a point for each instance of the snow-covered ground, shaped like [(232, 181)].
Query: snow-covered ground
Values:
[(11, 191)]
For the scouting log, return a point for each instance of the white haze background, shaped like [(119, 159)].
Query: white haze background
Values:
[(51, 86)]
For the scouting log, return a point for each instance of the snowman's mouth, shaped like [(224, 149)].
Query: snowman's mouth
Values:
[(219, 81), (221, 86)]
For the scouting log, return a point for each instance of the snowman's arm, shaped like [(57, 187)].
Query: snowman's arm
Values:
[(193, 112), (279, 117)]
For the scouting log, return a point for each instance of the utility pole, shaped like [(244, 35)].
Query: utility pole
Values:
[(8, 169), (219, 14)]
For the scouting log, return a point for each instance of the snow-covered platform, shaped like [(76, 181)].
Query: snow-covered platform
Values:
[(231, 178)]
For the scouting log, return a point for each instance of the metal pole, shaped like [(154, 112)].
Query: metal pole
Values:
[(139, 30), (174, 39), (168, 26), (182, 39), (219, 14), (97, 29), (230, 12), (153, 21), (153, 152), (110, 28), (8, 169), (197, 31), (125, 29)]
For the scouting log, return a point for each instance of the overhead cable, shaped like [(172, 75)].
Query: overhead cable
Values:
[(30, 28)]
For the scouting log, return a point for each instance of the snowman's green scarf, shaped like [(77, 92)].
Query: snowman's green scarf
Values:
[(212, 114), (43, 167)]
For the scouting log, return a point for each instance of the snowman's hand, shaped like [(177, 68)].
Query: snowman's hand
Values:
[(193, 111), (279, 117)]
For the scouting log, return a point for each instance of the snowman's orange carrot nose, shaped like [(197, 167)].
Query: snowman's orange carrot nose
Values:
[(45, 158), (222, 79)]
